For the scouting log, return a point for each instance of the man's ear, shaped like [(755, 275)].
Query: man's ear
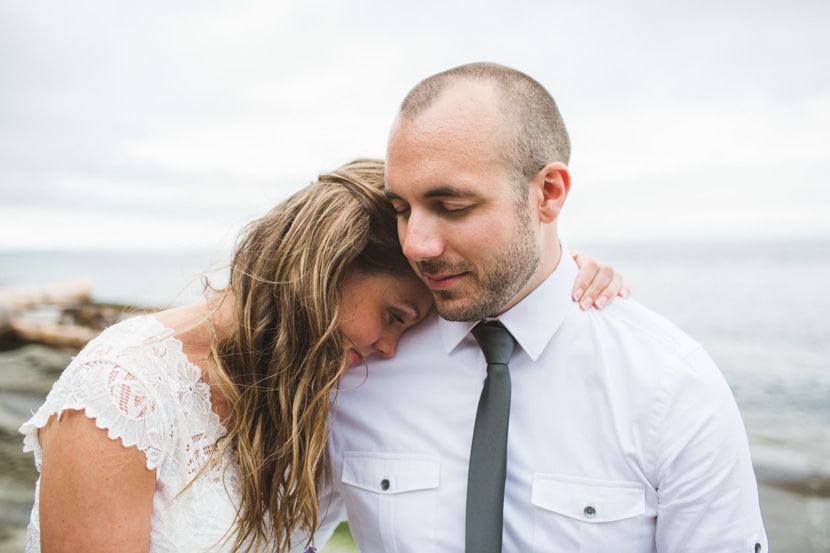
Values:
[(554, 182)]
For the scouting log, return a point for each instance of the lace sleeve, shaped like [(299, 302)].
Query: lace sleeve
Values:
[(120, 391)]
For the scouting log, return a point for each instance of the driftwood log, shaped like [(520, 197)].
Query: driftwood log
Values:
[(59, 293), (59, 314)]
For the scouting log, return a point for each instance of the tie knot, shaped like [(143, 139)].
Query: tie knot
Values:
[(495, 341)]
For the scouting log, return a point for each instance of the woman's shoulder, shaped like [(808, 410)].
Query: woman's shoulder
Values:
[(141, 347), (131, 379), (128, 337)]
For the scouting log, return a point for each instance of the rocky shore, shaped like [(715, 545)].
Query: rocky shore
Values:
[(795, 490), (26, 374)]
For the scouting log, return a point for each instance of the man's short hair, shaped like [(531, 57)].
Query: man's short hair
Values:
[(539, 135)]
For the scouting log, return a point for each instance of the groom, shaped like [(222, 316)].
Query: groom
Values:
[(622, 433)]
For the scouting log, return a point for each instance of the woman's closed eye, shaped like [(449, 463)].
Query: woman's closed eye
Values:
[(395, 318)]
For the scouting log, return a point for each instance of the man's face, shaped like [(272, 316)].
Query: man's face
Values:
[(465, 228)]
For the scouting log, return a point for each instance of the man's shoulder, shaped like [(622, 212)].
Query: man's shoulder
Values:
[(423, 341), (631, 320), (651, 352), (427, 331)]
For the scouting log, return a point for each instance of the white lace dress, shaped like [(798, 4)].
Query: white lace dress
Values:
[(135, 381)]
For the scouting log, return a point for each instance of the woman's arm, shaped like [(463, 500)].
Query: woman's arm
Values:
[(597, 284), (95, 494)]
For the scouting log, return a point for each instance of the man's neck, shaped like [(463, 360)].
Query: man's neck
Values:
[(547, 265)]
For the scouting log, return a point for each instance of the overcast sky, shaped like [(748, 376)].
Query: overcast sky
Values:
[(167, 125)]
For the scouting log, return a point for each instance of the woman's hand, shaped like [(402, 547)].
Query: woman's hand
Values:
[(597, 284)]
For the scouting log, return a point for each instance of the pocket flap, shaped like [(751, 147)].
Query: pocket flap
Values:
[(589, 500), (390, 473)]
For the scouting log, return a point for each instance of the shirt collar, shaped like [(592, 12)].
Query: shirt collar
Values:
[(534, 320)]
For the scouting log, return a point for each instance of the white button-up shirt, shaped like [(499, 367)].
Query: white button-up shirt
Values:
[(624, 436)]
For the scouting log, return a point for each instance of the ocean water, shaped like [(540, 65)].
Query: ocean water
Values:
[(761, 309), (133, 278)]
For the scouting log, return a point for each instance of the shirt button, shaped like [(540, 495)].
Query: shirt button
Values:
[(589, 511), (384, 484)]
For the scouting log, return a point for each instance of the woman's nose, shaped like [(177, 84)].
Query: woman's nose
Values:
[(386, 346)]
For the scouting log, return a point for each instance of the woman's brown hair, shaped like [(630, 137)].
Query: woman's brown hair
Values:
[(279, 367)]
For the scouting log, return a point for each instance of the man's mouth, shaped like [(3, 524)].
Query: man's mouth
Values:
[(443, 281)]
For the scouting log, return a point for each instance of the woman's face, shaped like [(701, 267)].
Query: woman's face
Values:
[(377, 308)]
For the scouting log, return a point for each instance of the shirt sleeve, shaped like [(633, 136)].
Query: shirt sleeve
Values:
[(119, 392), (707, 491)]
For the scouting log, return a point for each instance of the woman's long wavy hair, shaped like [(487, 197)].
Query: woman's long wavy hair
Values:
[(279, 367)]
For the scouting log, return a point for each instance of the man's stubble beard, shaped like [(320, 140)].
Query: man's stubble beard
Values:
[(507, 273)]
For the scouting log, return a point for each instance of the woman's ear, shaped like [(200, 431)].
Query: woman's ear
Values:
[(554, 182)]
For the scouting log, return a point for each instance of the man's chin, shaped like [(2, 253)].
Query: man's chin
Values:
[(458, 310)]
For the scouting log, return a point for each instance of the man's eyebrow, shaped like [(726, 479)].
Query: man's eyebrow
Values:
[(390, 195), (450, 192), (440, 192)]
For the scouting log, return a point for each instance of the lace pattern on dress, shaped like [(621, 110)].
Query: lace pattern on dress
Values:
[(135, 382)]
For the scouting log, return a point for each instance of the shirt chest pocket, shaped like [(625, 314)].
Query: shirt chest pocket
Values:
[(391, 498), (588, 516)]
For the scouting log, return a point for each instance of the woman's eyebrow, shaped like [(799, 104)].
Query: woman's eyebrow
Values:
[(408, 308)]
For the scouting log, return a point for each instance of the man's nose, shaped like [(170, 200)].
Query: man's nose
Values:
[(420, 238)]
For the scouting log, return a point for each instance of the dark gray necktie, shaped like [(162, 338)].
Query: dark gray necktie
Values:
[(488, 455)]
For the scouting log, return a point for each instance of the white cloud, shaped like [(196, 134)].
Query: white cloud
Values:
[(136, 116), (50, 229)]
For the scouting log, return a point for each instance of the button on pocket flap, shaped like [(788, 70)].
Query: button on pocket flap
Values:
[(589, 500), (390, 473)]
